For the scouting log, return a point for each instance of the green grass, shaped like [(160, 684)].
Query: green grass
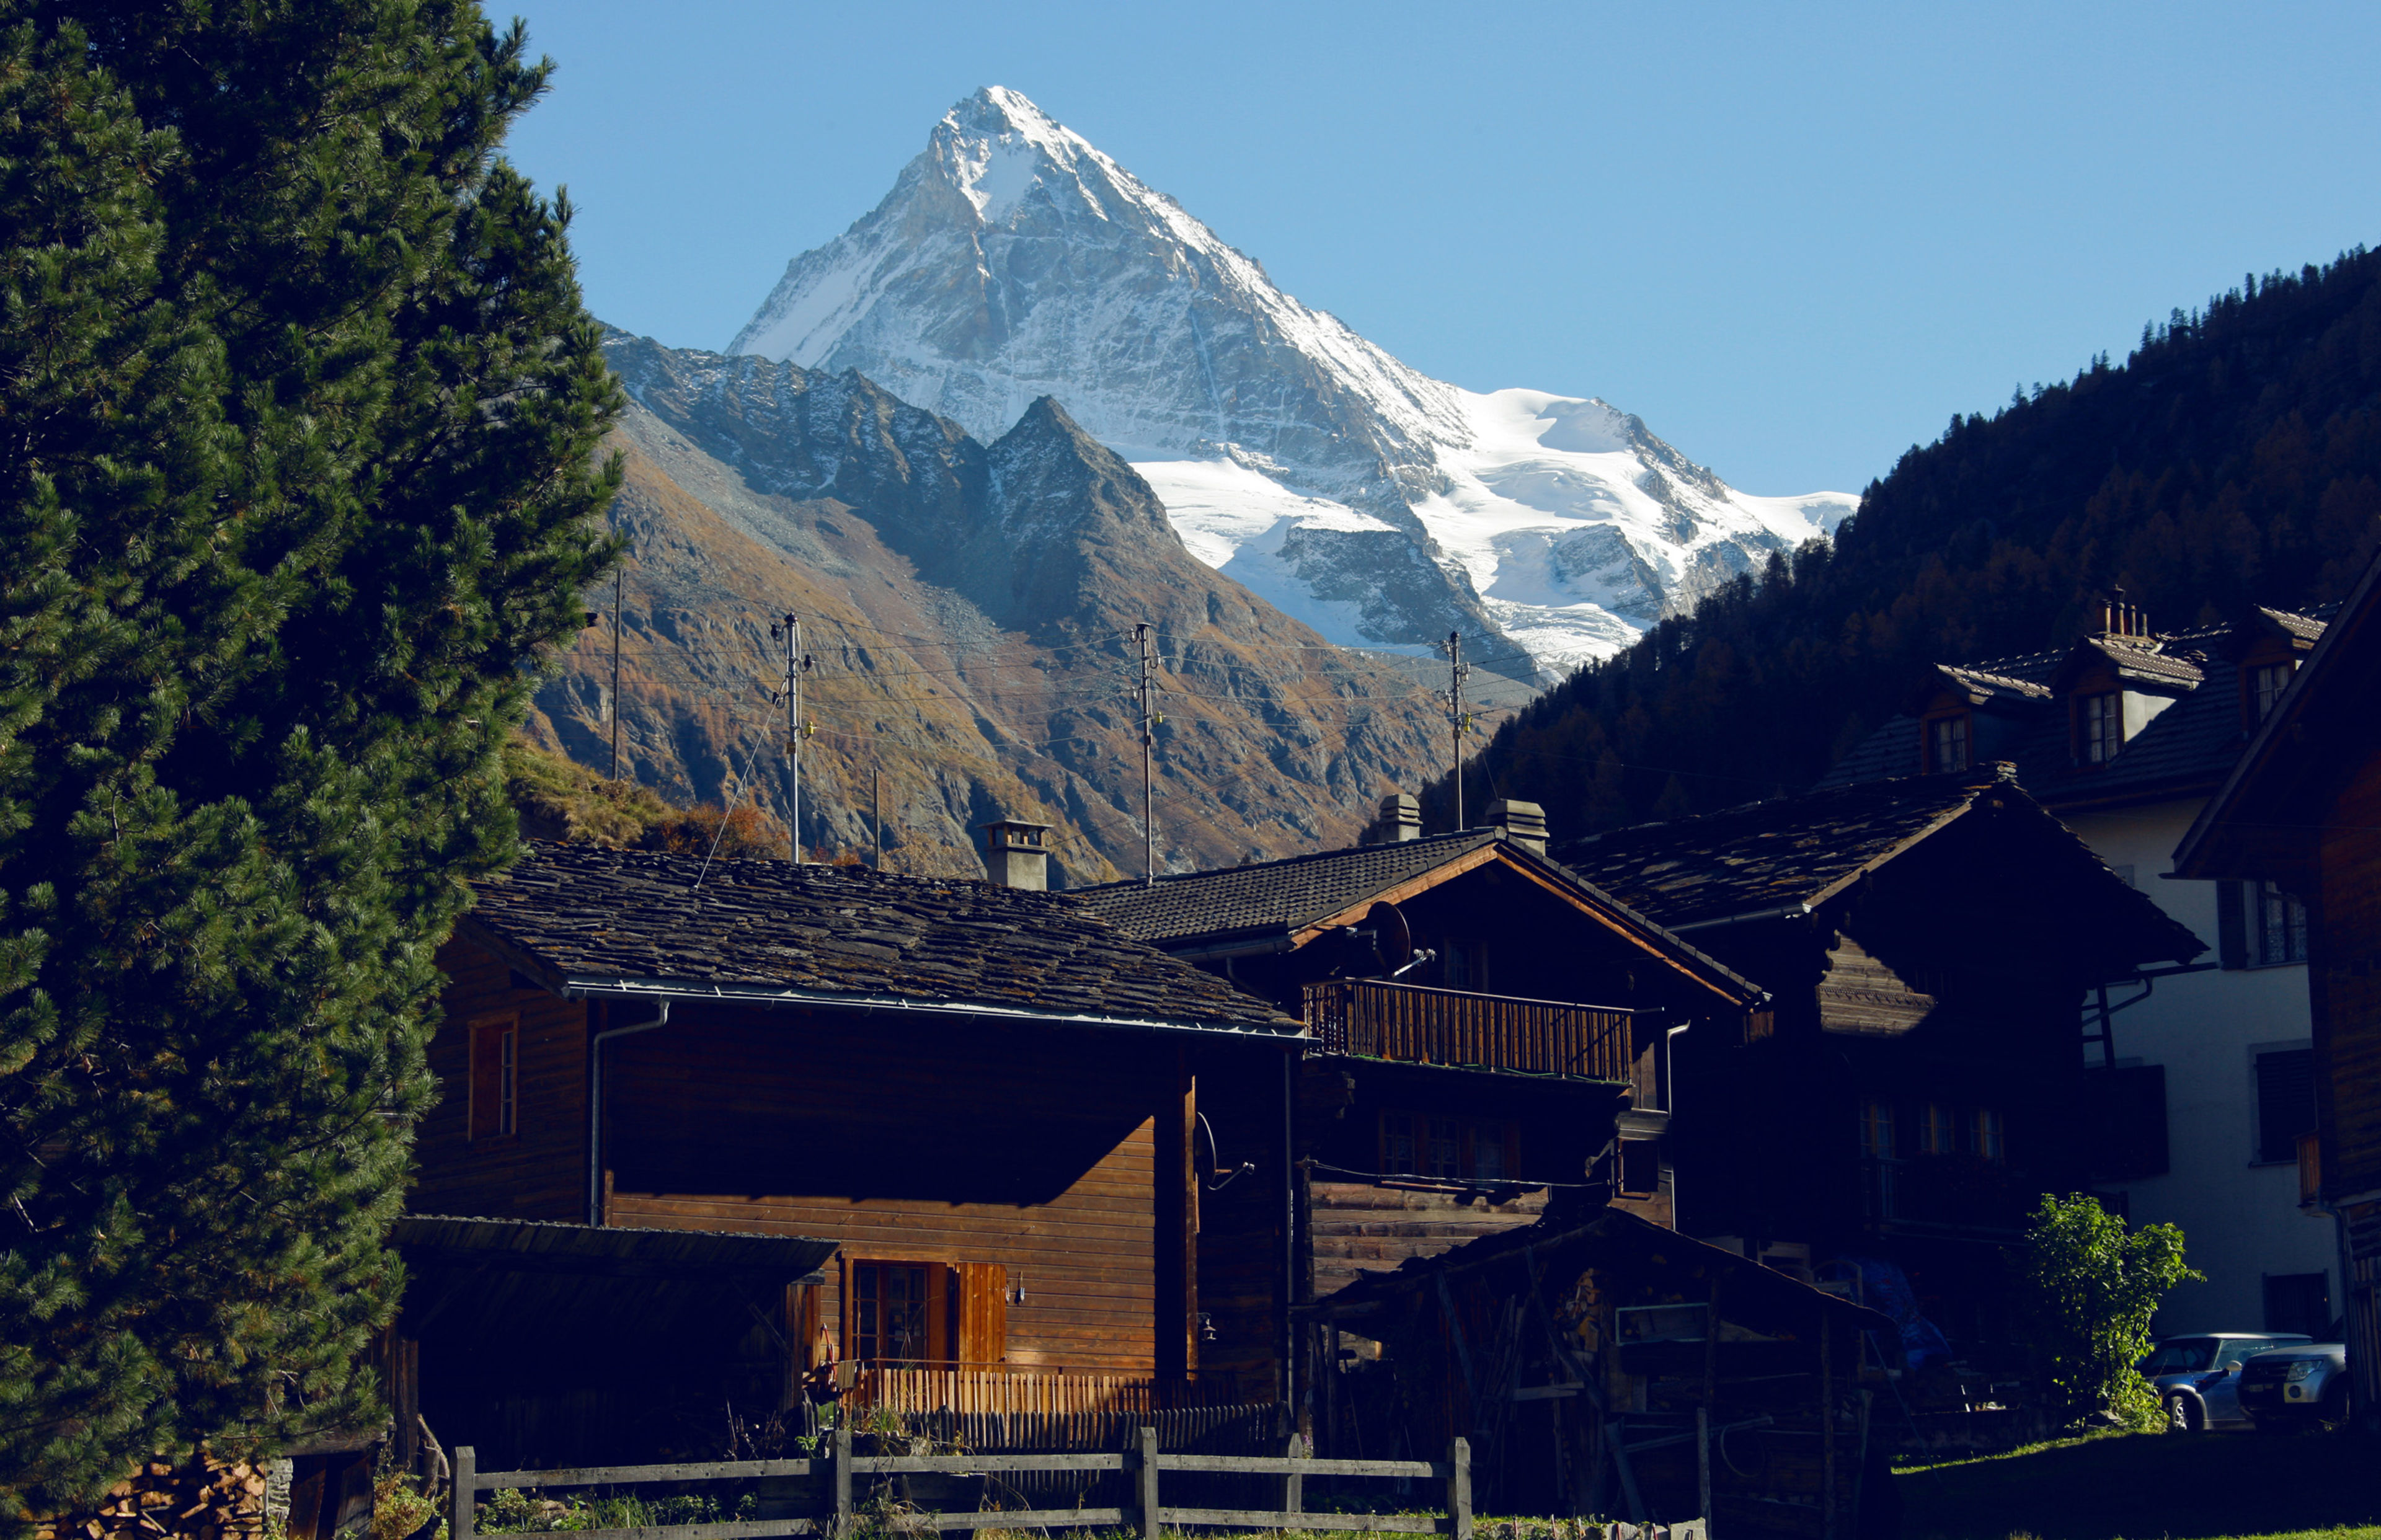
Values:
[(2153, 1487)]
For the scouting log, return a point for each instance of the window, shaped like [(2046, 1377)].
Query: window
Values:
[(914, 1312), (2267, 683), (1641, 1165), (893, 1313), (1876, 1129), (1987, 1136), (495, 1079), (1947, 745), (2258, 925), (1936, 1130), (1448, 1149), (2299, 1303), (2100, 727), (2278, 925), (1466, 965), (2284, 1102)]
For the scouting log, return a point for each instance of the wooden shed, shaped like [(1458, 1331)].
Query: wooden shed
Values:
[(1606, 1367)]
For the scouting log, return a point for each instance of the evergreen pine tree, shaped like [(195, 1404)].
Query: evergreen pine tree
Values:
[(297, 406)]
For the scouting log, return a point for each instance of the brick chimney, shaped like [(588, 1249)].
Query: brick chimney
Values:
[(1525, 823), (1399, 820), (1016, 854)]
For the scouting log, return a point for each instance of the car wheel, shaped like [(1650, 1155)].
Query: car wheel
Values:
[(2184, 1415)]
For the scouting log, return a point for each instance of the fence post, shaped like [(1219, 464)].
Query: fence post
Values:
[(1293, 1486), (1703, 1462), (840, 1448), (1459, 1488), (466, 1493), (1146, 1476)]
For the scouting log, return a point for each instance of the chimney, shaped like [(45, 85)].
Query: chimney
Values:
[(1525, 823), (1016, 855), (1400, 820), (2120, 619)]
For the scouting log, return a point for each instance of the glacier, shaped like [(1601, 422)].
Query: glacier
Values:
[(1013, 260)]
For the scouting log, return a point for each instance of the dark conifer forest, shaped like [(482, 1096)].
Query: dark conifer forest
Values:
[(2234, 459)]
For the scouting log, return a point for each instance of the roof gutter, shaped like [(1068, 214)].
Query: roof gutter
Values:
[(766, 999), (595, 1104), (1783, 911)]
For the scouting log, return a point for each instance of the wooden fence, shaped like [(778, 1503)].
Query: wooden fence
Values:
[(1416, 1025), (840, 1514)]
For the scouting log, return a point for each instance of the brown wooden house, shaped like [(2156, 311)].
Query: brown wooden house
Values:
[(2302, 812), (1927, 941), (987, 1099), (1488, 1034)]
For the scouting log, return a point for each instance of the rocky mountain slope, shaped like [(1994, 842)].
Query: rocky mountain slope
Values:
[(1013, 261), (969, 609)]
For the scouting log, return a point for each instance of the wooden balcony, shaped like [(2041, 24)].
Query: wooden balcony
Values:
[(1414, 1024)]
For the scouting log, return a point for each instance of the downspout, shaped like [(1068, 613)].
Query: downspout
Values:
[(1289, 1268), (1670, 1112), (595, 1104)]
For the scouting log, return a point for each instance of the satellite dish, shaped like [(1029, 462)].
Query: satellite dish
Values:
[(1392, 937)]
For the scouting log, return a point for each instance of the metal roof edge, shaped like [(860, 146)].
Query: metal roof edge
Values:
[(764, 997)]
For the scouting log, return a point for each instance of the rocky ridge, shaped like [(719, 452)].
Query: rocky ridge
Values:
[(969, 609)]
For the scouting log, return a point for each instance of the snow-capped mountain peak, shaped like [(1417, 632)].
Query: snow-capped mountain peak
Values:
[(1013, 260)]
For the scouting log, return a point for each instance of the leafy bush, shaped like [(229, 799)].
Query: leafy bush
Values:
[(2092, 1287)]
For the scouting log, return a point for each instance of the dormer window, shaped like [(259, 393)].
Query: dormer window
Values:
[(2100, 727), (2267, 682), (1947, 745)]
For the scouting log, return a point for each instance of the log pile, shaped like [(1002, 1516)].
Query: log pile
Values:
[(200, 1500)]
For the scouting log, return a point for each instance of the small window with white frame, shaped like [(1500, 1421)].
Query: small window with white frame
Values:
[(2100, 727), (1947, 743)]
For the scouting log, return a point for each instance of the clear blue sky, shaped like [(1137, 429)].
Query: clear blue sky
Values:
[(1795, 240)]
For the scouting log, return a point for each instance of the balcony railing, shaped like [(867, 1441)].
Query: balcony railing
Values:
[(1000, 1406), (1415, 1025)]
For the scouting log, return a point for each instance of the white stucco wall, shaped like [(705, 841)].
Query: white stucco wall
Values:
[(2239, 1219)]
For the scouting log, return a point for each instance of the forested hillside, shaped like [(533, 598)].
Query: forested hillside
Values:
[(2235, 458)]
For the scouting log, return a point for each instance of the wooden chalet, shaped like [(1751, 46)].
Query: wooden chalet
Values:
[(1916, 1083), (2302, 812), (1488, 1034), (2203, 1073), (1600, 1364), (985, 1101)]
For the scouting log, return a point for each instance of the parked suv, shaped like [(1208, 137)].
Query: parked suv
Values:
[(2296, 1387), (2198, 1377)]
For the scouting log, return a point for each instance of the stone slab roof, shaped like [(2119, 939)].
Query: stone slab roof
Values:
[(839, 933), (2185, 750), (1274, 895), (1770, 854)]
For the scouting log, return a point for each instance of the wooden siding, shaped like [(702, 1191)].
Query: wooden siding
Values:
[(2348, 989), (1358, 1228), (906, 1141), (538, 1171), (1860, 993)]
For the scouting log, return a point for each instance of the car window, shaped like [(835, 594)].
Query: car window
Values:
[(2181, 1356), (2238, 1348)]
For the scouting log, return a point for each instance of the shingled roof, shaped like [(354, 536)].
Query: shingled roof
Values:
[(2188, 747), (586, 920), (1275, 896), (1769, 855)]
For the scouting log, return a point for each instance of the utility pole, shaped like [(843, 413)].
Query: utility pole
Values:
[(1456, 672), (1149, 721), (620, 579), (797, 665), (876, 812)]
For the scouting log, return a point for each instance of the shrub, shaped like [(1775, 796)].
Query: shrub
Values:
[(2091, 1288)]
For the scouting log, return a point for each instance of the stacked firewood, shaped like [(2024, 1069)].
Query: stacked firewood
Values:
[(202, 1500)]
